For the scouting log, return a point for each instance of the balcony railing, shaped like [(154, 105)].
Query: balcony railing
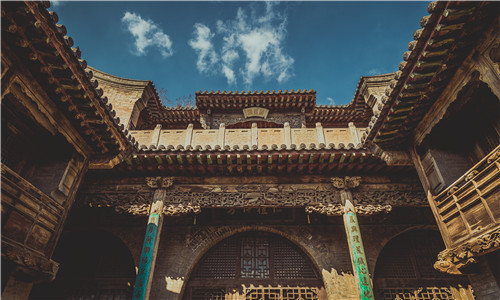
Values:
[(32, 217), (471, 205), (249, 136)]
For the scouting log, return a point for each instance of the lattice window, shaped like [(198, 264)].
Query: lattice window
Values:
[(289, 263), (426, 253), (281, 294), (395, 262), (220, 261), (416, 294), (255, 257)]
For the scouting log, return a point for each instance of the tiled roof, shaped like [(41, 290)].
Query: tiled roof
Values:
[(33, 34), (340, 114), (244, 161), (438, 49), (179, 117), (290, 100)]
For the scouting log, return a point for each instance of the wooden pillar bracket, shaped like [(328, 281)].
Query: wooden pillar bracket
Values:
[(159, 182), (346, 182)]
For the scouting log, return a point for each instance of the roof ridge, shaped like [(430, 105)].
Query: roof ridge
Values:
[(255, 92), (98, 72)]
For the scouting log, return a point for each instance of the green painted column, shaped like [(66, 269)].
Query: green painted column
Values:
[(356, 248), (147, 260)]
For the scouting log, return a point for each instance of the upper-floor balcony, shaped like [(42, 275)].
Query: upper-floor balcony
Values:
[(251, 137)]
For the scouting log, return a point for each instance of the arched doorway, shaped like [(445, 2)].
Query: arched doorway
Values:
[(93, 265), (254, 266), (404, 270)]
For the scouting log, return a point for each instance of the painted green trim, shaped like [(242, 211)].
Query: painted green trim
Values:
[(141, 280), (358, 256)]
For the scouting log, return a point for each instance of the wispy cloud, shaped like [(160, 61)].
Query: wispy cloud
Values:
[(374, 71), (251, 41), (147, 34), (330, 100), (56, 3), (202, 44)]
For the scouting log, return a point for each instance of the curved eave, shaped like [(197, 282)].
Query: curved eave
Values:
[(447, 38), (59, 66)]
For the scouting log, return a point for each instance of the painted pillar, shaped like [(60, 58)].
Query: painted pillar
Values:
[(356, 248), (353, 233), (147, 260)]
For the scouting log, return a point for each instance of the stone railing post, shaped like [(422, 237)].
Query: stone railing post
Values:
[(356, 249), (152, 238)]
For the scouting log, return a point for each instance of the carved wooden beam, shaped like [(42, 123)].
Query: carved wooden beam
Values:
[(319, 197)]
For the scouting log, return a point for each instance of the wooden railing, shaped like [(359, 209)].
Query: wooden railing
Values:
[(471, 205)]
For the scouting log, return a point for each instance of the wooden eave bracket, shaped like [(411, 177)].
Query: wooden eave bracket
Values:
[(391, 158), (109, 163), (397, 158), (408, 69), (77, 70)]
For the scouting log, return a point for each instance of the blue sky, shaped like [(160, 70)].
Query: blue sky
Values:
[(189, 46)]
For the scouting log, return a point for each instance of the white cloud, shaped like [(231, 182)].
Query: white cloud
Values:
[(330, 100), (255, 42), (147, 34), (56, 3), (374, 71), (202, 43)]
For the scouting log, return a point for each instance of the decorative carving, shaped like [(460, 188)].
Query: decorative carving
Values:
[(159, 182), (369, 210), (26, 258), (471, 175), (178, 210), (134, 209), (493, 157), (338, 210), (453, 260), (338, 182), (329, 210), (352, 182), (346, 182), (229, 196), (452, 190), (393, 198)]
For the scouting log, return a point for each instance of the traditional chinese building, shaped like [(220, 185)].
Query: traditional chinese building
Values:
[(108, 194)]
